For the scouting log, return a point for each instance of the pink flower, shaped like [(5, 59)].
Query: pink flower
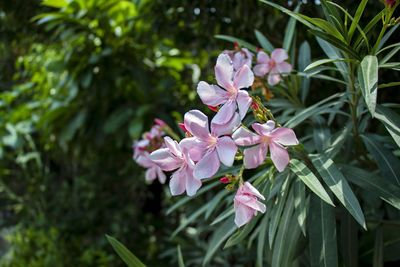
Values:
[(246, 204), (274, 65), (153, 171), (160, 122), (210, 148), (240, 58), (232, 97), (268, 137), (176, 156)]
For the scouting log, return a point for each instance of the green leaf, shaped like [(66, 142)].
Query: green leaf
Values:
[(219, 236), (373, 184), (337, 43), (117, 119), (289, 33), (310, 180), (330, 12), (357, 16), (378, 248), (214, 202), (325, 26), (290, 13), (223, 216), (311, 110), (300, 204), (391, 120), (291, 242), (339, 186), (387, 36), (242, 233), (127, 256), (265, 44), (388, 163), (191, 219), (239, 41), (180, 257), (338, 140), (348, 238), (321, 133), (322, 234), (324, 61), (55, 3), (367, 28), (277, 211), (280, 249), (368, 79), (261, 238), (304, 61), (333, 52)]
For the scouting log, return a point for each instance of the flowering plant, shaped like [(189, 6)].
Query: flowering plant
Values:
[(285, 188)]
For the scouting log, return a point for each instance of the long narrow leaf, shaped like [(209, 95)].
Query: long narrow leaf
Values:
[(339, 186), (127, 256), (239, 41), (373, 184), (368, 79), (388, 163), (391, 120), (322, 234), (357, 16), (304, 60), (310, 180), (265, 44), (289, 33)]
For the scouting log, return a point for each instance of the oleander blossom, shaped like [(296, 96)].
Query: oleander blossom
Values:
[(274, 65), (268, 137), (240, 57), (246, 204), (176, 156), (153, 170), (210, 148), (231, 96)]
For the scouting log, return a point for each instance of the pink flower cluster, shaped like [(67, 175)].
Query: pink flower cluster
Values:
[(273, 66), (209, 144), (150, 141)]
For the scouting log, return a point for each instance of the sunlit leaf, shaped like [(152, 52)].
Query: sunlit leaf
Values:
[(127, 256)]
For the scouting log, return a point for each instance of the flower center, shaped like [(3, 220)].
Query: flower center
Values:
[(266, 140), (272, 63), (211, 142)]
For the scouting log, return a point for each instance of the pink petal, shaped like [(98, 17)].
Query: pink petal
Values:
[(177, 184), (254, 156), (238, 60), (161, 175), (211, 95), (244, 78), (283, 67), (145, 160), (226, 112), (196, 122), (249, 54), (192, 184), (264, 129), (173, 146), (250, 189), (279, 55), (274, 79), (225, 129), (207, 166), (193, 148), (243, 214), (279, 156), (224, 71), (261, 69), (151, 174), (243, 101), (284, 136), (165, 160), (226, 150), (251, 202), (262, 58), (244, 137)]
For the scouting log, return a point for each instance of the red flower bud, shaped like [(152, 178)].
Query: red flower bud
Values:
[(183, 127), (259, 49), (255, 106), (160, 122), (224, 180), (213, 108)]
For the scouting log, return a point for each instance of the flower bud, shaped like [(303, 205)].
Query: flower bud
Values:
[(225, 180)]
